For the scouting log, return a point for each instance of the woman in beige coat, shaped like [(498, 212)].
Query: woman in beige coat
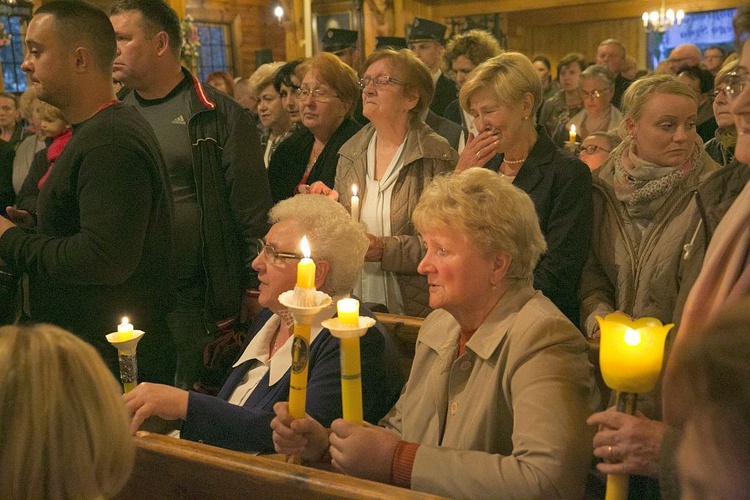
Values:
[(391, 160), (642, 209), (501, 386)]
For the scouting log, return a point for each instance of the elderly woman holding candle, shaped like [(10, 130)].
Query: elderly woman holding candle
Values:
[(239, 417), (642, 209), (501, 384), (502, 95), (597, 88), (327, 96), (391, 160)]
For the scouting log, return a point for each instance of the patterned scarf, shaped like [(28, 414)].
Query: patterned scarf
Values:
[(643, 186)]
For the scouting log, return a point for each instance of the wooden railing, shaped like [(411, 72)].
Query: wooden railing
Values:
[(168, 468)]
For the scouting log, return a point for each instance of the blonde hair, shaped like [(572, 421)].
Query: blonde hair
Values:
[(27, 102), (332, 234), (263, 77), (64, 430), (725, 70), (49, 113), (495, 215), (336, 74), (641, 91), (508, 77), (411, 72)]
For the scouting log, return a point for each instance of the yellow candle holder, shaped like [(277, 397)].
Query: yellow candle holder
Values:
[(303, 318), (631, 353), (351, 370), (128, 361)]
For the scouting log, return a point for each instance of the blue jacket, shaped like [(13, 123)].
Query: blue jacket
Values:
[(214, 421)]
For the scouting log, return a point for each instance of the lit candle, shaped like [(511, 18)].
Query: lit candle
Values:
[(355, 204), (124, 330), (351, 372), (306, 267), (572, 134), (644, 17)]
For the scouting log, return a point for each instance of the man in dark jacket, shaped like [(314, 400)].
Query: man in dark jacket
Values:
[(215, 164), (426, 40), (102, 241)]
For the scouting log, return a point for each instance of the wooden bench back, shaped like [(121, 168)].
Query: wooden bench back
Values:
[(403, 331), (169, 468)]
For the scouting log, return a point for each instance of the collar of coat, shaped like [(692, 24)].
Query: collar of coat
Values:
[(489, 335), (421, 142)]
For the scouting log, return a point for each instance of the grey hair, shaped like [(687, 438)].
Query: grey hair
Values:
[(602, 73), (495, 215), (332, 234)]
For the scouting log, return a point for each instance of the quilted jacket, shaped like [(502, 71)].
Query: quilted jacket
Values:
[(425, 155), (621, 274)]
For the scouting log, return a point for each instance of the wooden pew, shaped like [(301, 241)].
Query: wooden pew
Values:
[(169, 468)]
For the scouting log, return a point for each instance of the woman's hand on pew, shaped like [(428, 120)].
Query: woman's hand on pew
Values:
[(167, 402), (304, 437), (364, 451)]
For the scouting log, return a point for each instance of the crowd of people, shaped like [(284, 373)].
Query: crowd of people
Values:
[(510, 206)]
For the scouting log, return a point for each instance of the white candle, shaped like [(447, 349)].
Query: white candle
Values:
[(355, 204)]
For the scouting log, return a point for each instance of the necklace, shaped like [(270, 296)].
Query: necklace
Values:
[(514, 162)]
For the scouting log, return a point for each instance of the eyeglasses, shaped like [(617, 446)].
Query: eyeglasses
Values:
[(272, 255), (592, 148), (594, 94), (380, 82), (734, 83), (317, 94)]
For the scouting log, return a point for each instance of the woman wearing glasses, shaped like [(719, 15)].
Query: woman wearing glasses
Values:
[(326, 99), (239, 417), (721, 147), (598, 114), (503, 95), (643, 207), (596, 147), (391, 161)]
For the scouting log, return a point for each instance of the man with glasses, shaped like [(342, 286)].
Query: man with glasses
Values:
[(595, 148), (713, 58), (215, 163)]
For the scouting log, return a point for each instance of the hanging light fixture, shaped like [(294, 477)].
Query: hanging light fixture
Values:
[(662, 20)]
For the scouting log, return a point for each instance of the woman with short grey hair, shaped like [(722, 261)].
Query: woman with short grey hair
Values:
[(597, 86)]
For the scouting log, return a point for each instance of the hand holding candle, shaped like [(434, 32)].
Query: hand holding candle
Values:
[(355, 204)]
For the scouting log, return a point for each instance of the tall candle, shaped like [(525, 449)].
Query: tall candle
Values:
[(572, 135), (351, 372), (306, 267), (124, 330), (355, 204), (298, 377)]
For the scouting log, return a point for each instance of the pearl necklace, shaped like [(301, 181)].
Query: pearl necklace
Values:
[(514, 162)]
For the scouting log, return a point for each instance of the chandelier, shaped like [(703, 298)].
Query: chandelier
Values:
[(662, 20)]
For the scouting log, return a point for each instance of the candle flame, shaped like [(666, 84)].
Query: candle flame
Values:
[(125, 320), (354, 190), (572, 129), (305, 247), (632, 337)]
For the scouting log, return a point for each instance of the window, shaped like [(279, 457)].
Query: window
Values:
[(11, 55), (215, 49)]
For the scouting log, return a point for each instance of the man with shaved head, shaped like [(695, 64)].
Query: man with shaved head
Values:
[(683, 56)]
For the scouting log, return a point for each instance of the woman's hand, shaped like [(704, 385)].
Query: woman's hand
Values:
[(628, 444), (147, 399), (364, 451), (304, 437), (375, 250), (478, 151), (319, 187)]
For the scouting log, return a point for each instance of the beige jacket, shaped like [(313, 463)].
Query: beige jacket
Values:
[(426, 155), (508, 418)]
